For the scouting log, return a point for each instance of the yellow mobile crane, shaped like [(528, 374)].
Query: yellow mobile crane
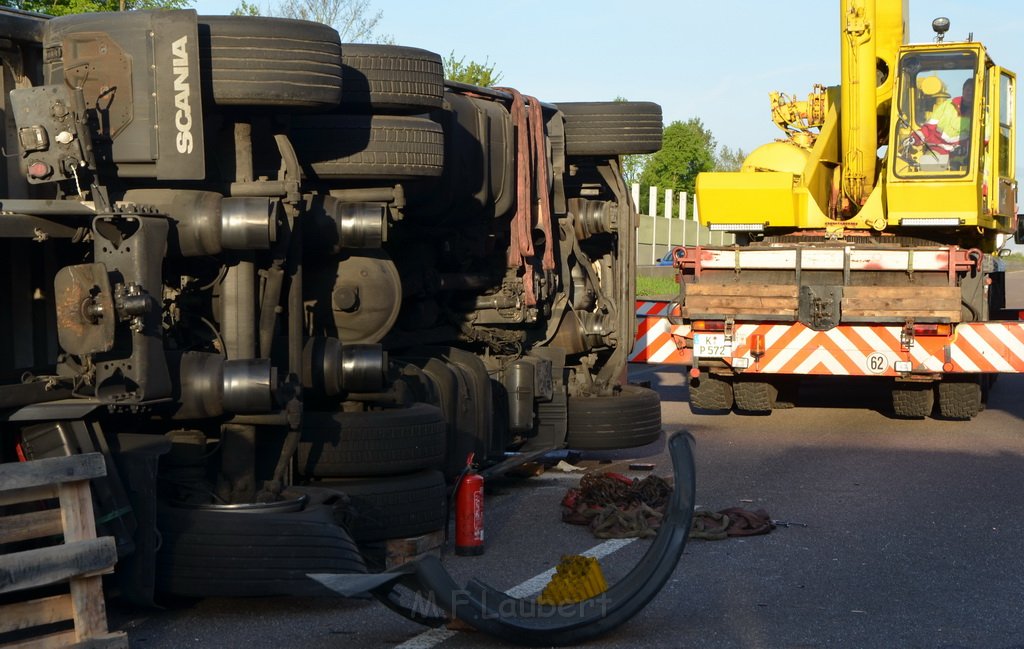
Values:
[(865, 238)]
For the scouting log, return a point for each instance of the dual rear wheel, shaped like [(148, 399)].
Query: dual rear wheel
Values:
[(721, 394), (956, 398)]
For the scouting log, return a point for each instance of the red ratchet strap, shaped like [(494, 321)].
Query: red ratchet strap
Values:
[(531, 162)]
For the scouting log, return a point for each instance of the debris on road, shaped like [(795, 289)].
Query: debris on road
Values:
[(788, 524), (616, 506), (565, 467), (576, 578), (514, 619), (734, 521)]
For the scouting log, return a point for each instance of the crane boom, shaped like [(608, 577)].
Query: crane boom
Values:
[(872, 31)]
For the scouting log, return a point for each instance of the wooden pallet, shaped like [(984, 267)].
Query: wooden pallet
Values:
[(79, 561)]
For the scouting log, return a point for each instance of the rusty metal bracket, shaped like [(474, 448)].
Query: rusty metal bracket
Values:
[(86, 319), (688, 261)]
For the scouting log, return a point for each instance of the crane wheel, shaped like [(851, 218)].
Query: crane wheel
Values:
[(755, 397), (711, 393), (913, 401), (960, 400)]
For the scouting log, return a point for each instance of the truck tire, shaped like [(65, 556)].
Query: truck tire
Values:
[(396, 507), (225, 552), (390, 147), (603, 128), (375, 443), (390, 79), (960, 400), (755, 397), (624, 420), (913, 401), (279, 62), (710, 393)]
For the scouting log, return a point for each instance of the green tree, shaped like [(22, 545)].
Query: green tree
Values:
[(729, 159), (687, 149), (65, 7), (246, 9), (352, 18), (633, 167), (473, 73)]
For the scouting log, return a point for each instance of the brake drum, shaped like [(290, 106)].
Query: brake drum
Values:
[(366, 298)]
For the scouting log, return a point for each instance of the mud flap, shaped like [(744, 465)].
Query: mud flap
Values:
[(523, 621)]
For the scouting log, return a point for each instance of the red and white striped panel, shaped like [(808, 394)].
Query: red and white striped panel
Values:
[(654, 336), (873, 350), (988, 347), (847, 350)]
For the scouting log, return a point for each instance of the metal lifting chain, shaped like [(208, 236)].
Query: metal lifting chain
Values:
[(614, 506)]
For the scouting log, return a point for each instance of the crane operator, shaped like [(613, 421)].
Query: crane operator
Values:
[(939, 135)]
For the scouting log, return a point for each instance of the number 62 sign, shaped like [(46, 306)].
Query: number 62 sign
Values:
[(877, 363)]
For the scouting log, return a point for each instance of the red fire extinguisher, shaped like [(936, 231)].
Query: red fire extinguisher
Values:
[(469, 511)]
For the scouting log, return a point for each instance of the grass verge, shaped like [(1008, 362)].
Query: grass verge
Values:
[(649, 286)]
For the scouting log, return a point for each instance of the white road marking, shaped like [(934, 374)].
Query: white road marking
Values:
[(427, 639), (536, 584), (434, 637)]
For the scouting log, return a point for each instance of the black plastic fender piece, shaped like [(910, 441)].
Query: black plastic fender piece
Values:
[(526, 622)]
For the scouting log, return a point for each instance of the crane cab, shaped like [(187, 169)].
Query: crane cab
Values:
[(915, 143), (951, 144)]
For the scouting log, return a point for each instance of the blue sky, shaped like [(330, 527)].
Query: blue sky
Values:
[(713, 60)]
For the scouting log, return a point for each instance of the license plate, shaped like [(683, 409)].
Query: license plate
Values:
[(711, 346)]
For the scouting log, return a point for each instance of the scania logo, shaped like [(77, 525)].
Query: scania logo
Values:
[(182, 90)]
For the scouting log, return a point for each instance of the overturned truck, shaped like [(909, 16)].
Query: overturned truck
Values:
[(286, 285)]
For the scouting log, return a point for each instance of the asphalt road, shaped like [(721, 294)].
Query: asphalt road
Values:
[(913, 538)]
